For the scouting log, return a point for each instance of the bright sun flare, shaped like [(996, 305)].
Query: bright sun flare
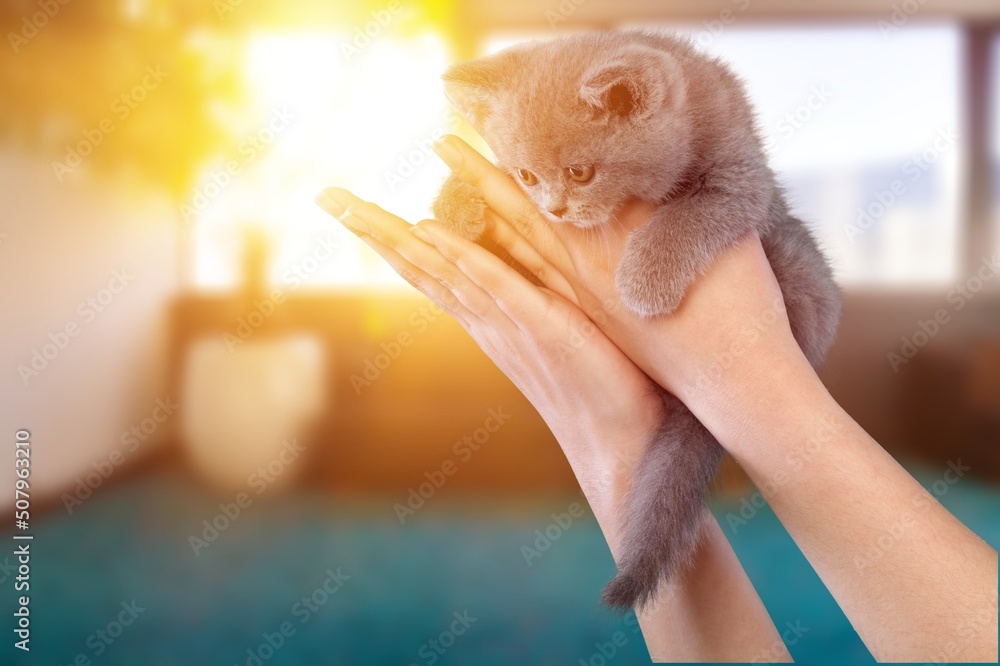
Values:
[(318, 117)]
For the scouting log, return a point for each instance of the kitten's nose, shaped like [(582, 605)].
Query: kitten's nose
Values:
[(560, 211)]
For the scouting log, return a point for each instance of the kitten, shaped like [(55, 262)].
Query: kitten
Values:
[(586, 123)]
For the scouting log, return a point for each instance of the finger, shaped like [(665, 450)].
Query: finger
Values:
[(364, 217), (504, 197), (528, 256), (509, 290), (421, 281), (421, 266), (473, 297), (353, 212)]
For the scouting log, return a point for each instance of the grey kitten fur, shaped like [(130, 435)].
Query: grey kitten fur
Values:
[(588, 122)]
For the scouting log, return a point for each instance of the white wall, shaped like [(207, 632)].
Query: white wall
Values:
[(62, 243)]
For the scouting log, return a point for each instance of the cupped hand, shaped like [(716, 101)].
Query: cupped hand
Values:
[(600, 406), (719, 319)]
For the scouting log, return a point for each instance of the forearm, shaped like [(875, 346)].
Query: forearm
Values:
[(713, 614), (916, 584), (837, 495)]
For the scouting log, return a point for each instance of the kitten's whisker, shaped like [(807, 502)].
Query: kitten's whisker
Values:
[(605, 245)]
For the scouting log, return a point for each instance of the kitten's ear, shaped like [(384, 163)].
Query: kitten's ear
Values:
[(633, 84), (473, 86)]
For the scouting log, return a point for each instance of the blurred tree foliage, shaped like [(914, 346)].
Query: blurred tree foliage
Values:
[(68, 72), (70, 69)]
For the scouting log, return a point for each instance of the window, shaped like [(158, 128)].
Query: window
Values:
[(321, 116), (863, 129), (864, 132)]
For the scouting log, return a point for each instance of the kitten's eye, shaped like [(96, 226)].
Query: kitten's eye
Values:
[(527, 177), (581, 173)]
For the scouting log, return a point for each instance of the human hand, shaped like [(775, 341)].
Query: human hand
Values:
[(736, 305), (767, 403), (598, 404)]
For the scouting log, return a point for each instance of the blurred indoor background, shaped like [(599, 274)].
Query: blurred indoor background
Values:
[(241, 418)]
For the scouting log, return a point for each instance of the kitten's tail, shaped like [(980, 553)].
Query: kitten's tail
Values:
[(664, 510)]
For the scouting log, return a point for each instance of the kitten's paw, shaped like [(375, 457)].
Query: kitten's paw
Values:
[(646, 299), (650, 286), (461, 209)]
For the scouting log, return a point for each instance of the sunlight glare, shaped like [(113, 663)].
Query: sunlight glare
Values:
[(322, 120)]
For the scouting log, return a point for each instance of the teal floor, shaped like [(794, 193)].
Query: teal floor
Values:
[(390, 589)]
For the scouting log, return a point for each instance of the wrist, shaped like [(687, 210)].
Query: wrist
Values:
[(743, 404), (603, 459)]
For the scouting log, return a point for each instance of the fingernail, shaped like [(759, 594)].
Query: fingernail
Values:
[(422, 235), (327, 200), (449, 153), (354, 222)]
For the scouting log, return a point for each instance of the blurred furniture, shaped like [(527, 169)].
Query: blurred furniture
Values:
[(952, 403), (410, 412)]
